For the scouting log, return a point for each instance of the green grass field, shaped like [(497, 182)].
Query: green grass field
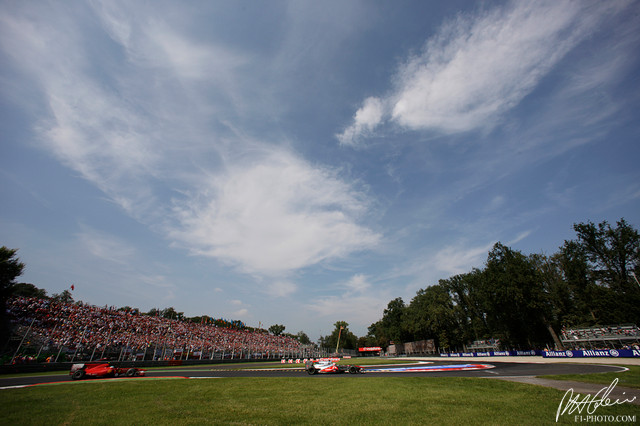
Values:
[(630, 379), (353, 400)]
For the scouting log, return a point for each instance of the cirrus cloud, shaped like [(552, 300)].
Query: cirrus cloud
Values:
[(478, 67)]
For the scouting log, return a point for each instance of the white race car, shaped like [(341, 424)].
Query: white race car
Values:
[(330, 367)]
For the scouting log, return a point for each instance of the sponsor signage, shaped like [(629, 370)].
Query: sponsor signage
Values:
[(594, 353), (591, 353), (496, 353), (370, 349)]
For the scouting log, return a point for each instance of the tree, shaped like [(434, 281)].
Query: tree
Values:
[(612, 252), (153, 312), (10, 269), (341, 337), (514, 298), (525, 300), (64, 297), (276, 329), (431, 315), (603, 260), (170, 313), (303, 338), (392, 326), (573, 265), (465, 292), (29, 290)]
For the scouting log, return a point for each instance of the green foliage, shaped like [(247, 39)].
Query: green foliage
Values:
[(276, 329), (525, 300), (28, 290), (611, 255), (431, 314), (341, 337), (303, 338), (64, 297), (393, 327), (171, 313), (10, 269)]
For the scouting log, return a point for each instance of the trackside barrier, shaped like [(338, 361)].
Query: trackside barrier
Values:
[(65, 366), (304, 361), (593, 353), (496, 353)]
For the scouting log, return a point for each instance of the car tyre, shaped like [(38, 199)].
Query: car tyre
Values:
[(312, 371), (131, 372), (78, 375), (353, 370)]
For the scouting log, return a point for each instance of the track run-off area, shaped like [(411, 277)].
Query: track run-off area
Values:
[(524, 369)]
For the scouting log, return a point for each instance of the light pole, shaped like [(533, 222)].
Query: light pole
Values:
[(635, 278), (339, 333)]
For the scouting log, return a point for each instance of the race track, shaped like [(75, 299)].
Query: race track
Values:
[(446, 368)]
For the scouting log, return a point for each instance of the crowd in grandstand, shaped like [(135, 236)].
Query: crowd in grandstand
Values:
[(85, 326), (602, 337), (484, 344), (591, 333)]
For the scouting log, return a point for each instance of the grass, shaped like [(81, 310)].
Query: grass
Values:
[(323, 400), (353, 400), (630, 379)]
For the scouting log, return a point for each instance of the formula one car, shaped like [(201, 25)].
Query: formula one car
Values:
[(83, 371), (324, 366)]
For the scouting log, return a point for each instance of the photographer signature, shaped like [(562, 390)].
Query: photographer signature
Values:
[(571, 404)]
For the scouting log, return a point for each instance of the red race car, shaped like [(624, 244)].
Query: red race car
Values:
[(83, 371), (327, 366)]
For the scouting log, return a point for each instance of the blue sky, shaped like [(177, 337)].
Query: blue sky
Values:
[(303, 163)]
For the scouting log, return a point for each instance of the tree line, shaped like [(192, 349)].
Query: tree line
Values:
[(522, 300), (525, 300)]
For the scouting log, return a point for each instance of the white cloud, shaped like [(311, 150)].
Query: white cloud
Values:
[(356, 301), (281, 288), (139, 142), (274, 215), (105, 246), (521, 236), (107, 265), (495, 204), (360, 310), (364, 122), (479, 67), (240, 313), (454, 260), (152, 40), (357, 284)]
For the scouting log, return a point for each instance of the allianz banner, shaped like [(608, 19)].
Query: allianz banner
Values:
[(593, 353)]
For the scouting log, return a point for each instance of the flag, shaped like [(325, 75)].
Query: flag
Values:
[(72, 287)]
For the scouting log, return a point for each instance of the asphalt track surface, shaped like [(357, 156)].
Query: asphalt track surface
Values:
[(496, 370)]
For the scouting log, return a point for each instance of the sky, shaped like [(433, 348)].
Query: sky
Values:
[(303, 162)]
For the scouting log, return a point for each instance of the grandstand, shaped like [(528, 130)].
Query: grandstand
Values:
[(600, 337), (488, 345), (418, 348), (73, 332)]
